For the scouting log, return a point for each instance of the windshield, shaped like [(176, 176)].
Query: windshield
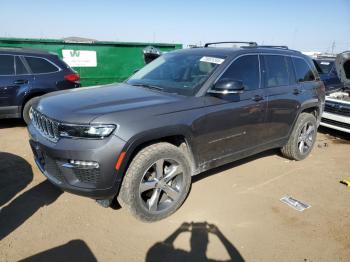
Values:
[(325, 66), (180, 73)]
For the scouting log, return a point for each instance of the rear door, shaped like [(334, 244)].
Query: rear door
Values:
[(7, 74), (235, 122), (282, 92), (44, 72), (15, 81)]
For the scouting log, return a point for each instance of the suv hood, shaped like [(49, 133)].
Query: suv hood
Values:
[(82, 105), (342, 64)]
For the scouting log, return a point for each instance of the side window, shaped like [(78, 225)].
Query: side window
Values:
[(277, 73), (334, 70), (7, 65), (39, 65), (245, 69), (302, 70), (20, 68)]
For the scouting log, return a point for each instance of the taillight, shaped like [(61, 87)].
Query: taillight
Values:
[(72, 77)]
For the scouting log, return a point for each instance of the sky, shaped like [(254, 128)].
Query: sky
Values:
[(303, 25)]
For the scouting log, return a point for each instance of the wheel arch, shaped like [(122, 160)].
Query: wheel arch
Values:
[(30, 96), (181, 139), (312, 107)]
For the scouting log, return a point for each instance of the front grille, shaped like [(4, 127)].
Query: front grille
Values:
[(335, 123), (337, 108), (90, 176), (46, 126)]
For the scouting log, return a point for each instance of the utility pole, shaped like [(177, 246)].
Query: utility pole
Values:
[(333, 47)]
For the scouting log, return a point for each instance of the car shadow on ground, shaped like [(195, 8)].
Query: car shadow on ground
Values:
[(199, 240), (75, 250), (11, 122), (15, 174)]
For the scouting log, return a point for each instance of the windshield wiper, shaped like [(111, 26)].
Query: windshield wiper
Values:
[(149, 86)]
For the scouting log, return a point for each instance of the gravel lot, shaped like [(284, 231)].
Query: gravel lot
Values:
[(232, 212)]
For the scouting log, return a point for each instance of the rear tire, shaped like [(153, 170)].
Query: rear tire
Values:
[(302, 138), (156, 183), (26, 109)]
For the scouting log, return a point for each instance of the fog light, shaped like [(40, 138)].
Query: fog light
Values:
[(81, 164)]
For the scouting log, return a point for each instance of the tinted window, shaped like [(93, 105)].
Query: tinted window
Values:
[(277, 73), (325, 66), (20, 68), (245, 69), (7, 65), (303, 70), (39, 65)]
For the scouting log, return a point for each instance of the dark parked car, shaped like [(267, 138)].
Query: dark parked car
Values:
[(186, 112), (26, 74), (328, 73)]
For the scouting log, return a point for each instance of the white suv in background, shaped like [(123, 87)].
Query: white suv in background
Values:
[(336, 114)]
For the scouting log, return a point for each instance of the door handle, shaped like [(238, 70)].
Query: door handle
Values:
[(296, 91), (20, 82), (257, 98)]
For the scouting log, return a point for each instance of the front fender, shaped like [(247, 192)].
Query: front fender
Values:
[(139, 140)]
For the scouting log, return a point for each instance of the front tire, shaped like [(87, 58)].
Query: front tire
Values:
[(302, 139), (156, 183)]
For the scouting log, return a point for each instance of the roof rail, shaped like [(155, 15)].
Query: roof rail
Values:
[(252, 44), (274, 46)]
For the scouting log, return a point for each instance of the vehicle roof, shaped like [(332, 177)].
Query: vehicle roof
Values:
[(227, 51), (24, 51), (330, 59)]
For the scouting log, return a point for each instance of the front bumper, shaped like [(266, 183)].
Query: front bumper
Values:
[(335, 121), (98, 183)]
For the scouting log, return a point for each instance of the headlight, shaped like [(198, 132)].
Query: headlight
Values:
[(86, 131), (31, 113)]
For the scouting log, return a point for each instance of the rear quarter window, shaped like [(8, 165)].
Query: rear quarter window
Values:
[(302, 70), (40, 65), (7, 65)]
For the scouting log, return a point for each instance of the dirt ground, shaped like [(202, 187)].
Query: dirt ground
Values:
[(232, 213)]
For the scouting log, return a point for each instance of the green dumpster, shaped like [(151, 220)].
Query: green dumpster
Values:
[(97, 62)]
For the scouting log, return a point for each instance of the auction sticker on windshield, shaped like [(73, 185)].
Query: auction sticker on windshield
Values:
[(213, 60)]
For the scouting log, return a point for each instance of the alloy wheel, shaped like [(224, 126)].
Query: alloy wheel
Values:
[(306, 137), (161, 185)]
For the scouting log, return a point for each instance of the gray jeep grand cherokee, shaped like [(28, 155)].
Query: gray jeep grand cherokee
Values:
[(186, 112)]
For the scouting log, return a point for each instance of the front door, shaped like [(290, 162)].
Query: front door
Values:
[(235, 123)]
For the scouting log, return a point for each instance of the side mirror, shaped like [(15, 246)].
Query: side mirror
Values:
[(227, 86)]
